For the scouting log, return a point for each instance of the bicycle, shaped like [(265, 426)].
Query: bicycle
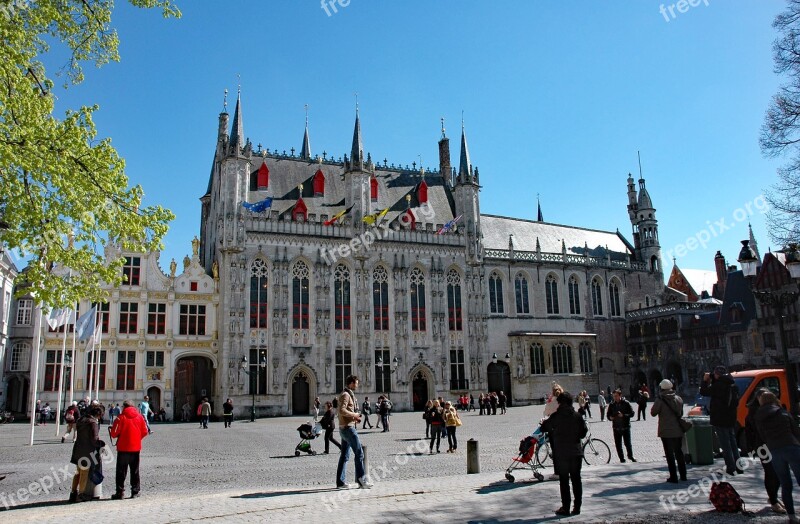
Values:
[(595, 451)]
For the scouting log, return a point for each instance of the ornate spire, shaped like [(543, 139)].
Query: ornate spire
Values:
[(305, 151), (464, 165), (357, 151), (753, 243), (237, 131), (539, 217)]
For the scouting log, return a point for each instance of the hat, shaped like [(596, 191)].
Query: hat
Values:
[(720, 369), (665, 384)]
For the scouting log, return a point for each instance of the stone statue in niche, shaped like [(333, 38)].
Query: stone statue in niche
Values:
[(195, 246), (215, 270), (173, 266), (186, 262), (520, 369), (327, 373)]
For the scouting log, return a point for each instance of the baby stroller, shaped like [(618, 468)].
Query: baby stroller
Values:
[(527, 456), (307, 434)]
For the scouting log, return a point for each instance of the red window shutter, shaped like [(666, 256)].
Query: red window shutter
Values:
[(373, 189), (319, 183), (422, 192), (263, 177)]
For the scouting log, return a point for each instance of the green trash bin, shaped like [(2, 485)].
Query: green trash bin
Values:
[(699, 440)]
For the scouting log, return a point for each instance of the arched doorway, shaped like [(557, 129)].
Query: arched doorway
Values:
[(499, 377), (419, 391), (301, 398), (155, 398), (675, 373), (17, 395), (655, 378), (194, 379)]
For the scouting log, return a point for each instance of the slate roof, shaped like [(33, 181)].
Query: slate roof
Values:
[(737, 294), (496, 230)]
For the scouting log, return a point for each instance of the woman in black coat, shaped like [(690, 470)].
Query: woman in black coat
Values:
[(328, 424), (86, 453), (754, 442)]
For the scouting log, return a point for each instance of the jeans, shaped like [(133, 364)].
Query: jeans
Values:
[(228, 419), (127, 460), (602, 413), (674, 453), (569, 469), (385, 422), (621, 434), (436, 434), (204, 421), (452, 442), (642, 412), (786, 460), (350, 439), (730, 448), (771, 482)]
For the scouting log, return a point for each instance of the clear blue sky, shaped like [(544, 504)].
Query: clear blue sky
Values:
[(557, 96)]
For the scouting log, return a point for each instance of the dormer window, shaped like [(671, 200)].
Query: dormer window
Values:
[(373, 189), (263, 177), (319, 183), (422, 192), (300, 211)]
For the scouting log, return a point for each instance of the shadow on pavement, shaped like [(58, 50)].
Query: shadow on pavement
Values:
[(45, 504), (293, 456), (504, 485), (268, 494)]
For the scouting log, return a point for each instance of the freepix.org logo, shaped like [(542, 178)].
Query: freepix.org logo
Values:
[(329, 6)]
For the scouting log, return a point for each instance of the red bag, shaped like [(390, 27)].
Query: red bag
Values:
[(724, 498), (199, 409)]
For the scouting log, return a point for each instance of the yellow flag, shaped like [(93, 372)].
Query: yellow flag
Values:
[(375, 217)]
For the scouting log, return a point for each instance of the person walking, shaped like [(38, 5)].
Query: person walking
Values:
[(227, 412), (86, 453), (620, 413), (435, 415), (71, 416), (377, 411), (567, 428), (452, 421), (502, 400), (641, 402), (581, 400), (669, 410), (205, 412), (384, 407), (587, 405), (348, 431), (186, 412), (754, 443), (114, 413), (724, 395), (328, 423), (471, 402), (366, 411), (601, 403), (493, 402), (44, 414), (129, 429), (427, 419), (144, 409), (480, 404), (779, 431)]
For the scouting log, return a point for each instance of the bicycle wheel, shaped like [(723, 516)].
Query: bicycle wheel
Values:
[(596, 452), (544, 455)]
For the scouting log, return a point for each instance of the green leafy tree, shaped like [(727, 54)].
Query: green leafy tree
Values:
[(780, 134), (64, 196)]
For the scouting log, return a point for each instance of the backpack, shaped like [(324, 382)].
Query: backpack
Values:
[(724, 498), (69, 416)]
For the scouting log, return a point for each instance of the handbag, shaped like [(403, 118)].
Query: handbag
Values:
[(458, 420), (684, 424)]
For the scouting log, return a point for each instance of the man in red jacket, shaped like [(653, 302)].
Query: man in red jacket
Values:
[(129, 428)]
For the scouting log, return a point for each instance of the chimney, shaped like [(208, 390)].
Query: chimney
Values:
[(721, 266)]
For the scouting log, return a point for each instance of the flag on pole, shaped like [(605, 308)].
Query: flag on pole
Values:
[(60, 316), (86, 325), (335, 218), (375, 217), (258, 207), (449, 226)]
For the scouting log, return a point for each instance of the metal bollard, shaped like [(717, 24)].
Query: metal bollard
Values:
[(473, 458), (366, 467)]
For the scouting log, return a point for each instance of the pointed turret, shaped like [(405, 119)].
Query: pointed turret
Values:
[(539, 216), (644, 196), (305, 151), (464, 165), (444, 157), (237, 131), (357, 151), (754, 245)]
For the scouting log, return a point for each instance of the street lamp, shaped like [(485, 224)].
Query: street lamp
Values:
[(779, 300), (67, 377), (379, 369), (253, 386)]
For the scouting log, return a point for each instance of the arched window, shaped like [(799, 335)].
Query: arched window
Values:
[(454, 322), (537, 359), (495, 293), (597, 297), (319, 183), (263, 177), (20, 357), (574, 296), (373, 189), (341, 297), (300, 288), (380, 298), (551, 295), (417, 300), (585, 357), (521, 293), (562, 358), (613, 299), (259, 288)]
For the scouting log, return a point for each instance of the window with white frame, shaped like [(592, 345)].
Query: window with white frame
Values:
[(20, 357), (24, 311), (192, 319)]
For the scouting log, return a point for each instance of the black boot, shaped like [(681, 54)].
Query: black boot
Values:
[(73, 496), (119, 495)]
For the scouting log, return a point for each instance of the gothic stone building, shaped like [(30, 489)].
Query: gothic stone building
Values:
[(307, 297)]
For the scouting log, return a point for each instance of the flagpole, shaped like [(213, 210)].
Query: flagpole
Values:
[(97, 326), (90, 368), (37, 341), (61, 379), (73, 363)]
